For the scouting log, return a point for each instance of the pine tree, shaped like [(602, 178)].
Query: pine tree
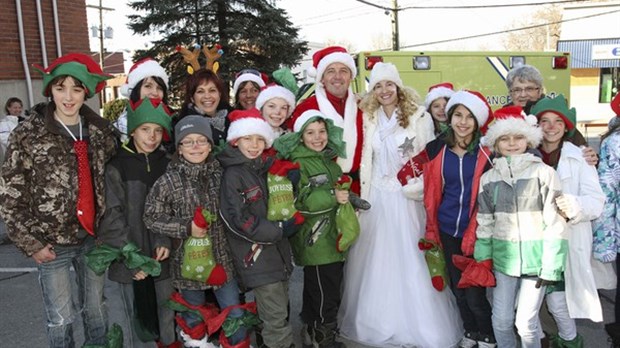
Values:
[(252, 33)]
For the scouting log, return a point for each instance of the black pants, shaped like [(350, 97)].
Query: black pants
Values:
[(473, 305), (322, 293), (617, 305)]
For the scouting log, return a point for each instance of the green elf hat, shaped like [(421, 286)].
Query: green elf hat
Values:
[(558, 106), (78, 66), (148, 110)]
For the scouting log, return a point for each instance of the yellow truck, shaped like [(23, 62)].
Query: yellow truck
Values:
[(481, 71)]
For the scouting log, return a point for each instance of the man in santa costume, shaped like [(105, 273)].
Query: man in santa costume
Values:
[(334, 68)]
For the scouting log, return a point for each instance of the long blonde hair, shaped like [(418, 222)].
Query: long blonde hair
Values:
[(408, 104)]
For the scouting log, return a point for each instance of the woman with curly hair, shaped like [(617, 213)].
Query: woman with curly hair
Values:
[(385, 270)]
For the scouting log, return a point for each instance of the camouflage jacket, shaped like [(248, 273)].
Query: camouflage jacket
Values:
[(39, 183)]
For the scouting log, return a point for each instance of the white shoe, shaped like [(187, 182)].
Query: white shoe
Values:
[(189, 342)]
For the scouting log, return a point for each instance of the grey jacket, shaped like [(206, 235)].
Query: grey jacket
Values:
[(244, 210)]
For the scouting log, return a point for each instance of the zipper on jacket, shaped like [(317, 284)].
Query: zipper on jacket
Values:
[(516, 202), (148, 164), (458, 217)]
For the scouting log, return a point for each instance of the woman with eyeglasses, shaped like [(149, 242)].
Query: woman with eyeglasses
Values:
[(525, 85), (206, 95), (247, 86)]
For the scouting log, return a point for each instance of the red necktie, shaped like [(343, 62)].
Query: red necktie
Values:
[(86, 195)]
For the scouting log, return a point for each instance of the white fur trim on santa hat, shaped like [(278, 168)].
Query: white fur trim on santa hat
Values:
[(513, 125), (384, 72), (308, 114), (249, 126), (139, 72), (436, 93), (336, 57), (247, 77), (276, 92), (477, 106)]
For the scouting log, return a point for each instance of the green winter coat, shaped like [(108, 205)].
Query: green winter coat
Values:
[(317, 202)]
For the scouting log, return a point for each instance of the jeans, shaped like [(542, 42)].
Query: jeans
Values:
[(227, 295), (522, 293), (55, 279), (120, 301)]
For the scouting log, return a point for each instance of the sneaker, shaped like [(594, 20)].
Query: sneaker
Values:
[(468, 341), (306, 340)]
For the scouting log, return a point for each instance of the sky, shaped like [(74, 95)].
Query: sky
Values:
[(363, 27)]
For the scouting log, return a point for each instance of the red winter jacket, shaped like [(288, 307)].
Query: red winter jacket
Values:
[(433, 193)]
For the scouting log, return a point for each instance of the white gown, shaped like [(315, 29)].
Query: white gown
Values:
[(388, 298)]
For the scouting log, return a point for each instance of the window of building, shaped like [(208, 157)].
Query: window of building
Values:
[(609, 84)]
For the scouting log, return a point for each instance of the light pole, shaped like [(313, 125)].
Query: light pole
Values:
[(108, 35)]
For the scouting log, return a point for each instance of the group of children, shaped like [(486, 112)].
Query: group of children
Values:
[(499, 212)]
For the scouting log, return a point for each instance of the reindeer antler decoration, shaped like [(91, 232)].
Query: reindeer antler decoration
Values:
[(191, 57), (213, 54)]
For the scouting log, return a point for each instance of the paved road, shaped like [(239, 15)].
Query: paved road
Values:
[(22, 317)]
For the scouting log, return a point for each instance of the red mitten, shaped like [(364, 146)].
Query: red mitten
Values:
[(203, 218), (217, 276), (413, 168), (474, 273), (282, 167)]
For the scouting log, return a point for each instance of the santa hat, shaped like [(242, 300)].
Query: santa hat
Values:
[(148, 110), (441, 90), (301, 120), (384, 72), (615, 107), (558, 106), (142, 69), (248, 75), (77, 65), (321, 59), (512, 120), (476, 103), (275, 91), (249, 122)]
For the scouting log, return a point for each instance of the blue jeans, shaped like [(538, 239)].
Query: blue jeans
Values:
[(522, 293), (55, 279), (227, 295)]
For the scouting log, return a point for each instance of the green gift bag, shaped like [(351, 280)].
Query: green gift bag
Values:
[(281, 200), (346, 219), (199, 264), (436, 262)]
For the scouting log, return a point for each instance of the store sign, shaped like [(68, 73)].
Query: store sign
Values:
[(606, 51)]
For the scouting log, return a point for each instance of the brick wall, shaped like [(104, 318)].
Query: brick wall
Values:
[(73, 34)]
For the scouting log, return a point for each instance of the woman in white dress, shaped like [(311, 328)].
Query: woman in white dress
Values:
[(388, 298)]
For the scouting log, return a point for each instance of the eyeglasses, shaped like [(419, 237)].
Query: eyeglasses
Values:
[(191, 143), (527, 90)]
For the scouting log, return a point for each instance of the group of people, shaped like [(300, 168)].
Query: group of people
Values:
[(452, 200)]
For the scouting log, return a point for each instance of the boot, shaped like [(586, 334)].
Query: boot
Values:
[(357, 202), (468, 340), (486, 341), (613, 330), (558, 342), (324, 336), (306, 338)]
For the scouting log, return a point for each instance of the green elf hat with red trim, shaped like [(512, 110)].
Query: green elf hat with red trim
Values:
[(148, 110), (78, 66)]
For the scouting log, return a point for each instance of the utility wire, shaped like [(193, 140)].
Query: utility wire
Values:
[(463, 7), (509, 30)]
